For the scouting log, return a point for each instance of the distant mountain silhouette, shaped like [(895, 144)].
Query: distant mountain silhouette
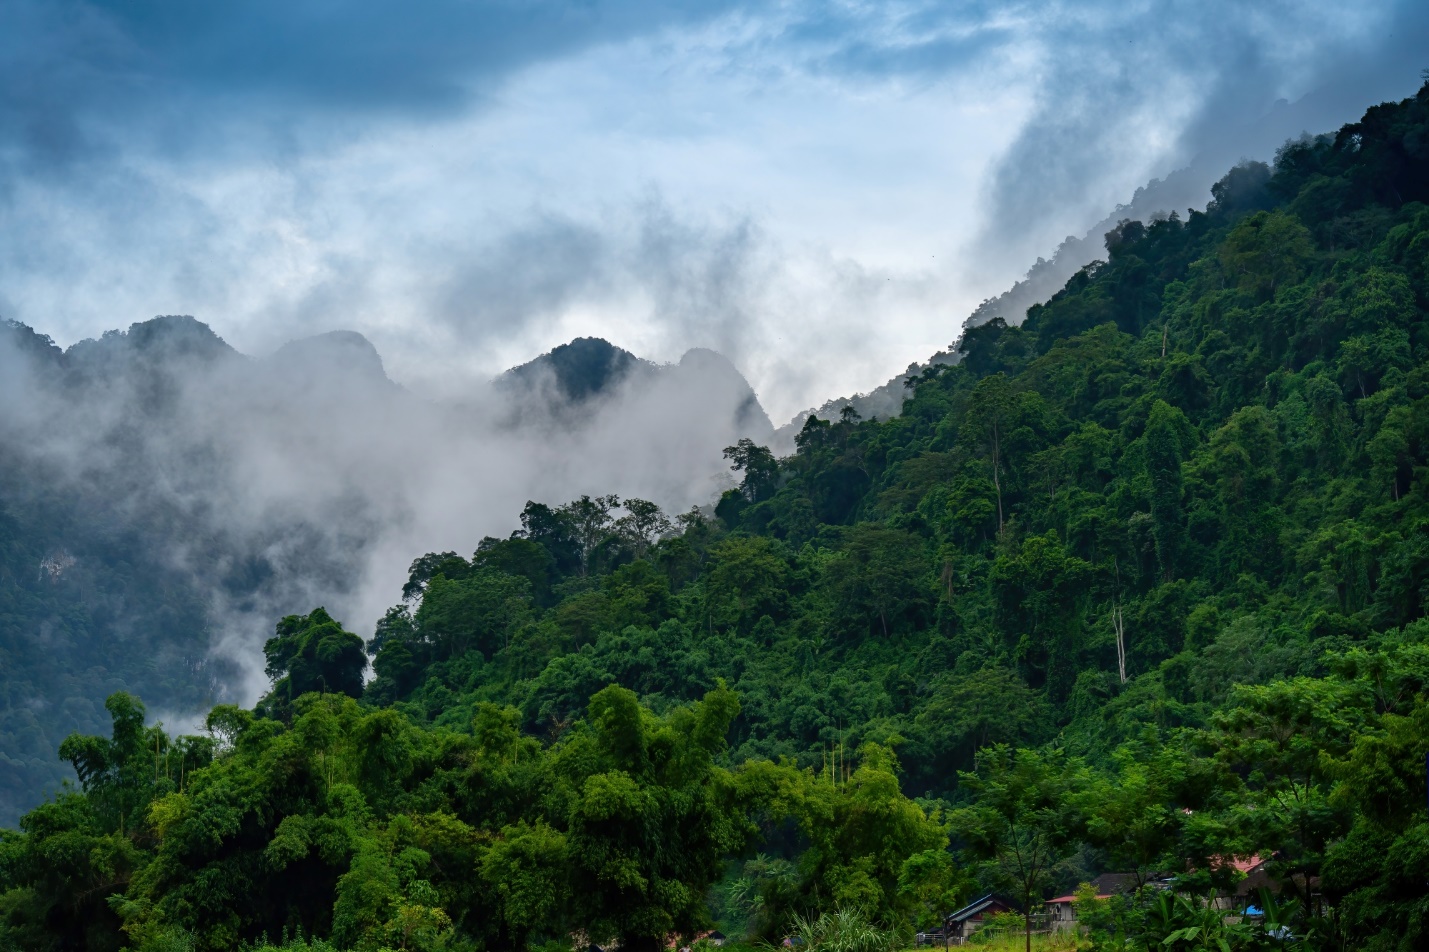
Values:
[(580, 370), (345, 354), (164, 498), (573, 378)]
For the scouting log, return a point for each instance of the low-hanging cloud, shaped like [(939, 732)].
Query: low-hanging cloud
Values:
[(1135, 91), (465, 183), (245, 489)]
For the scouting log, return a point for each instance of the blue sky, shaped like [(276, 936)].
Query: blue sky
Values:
[(820, 190)]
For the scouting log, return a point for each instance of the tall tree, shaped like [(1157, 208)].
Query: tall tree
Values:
[(1167, 435), (1023, 822)]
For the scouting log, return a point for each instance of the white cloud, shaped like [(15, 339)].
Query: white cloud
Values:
[(822, 193)]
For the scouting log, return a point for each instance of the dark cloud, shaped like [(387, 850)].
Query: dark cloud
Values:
[(71, 68)]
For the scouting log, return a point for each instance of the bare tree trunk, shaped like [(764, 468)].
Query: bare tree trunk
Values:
[(1118, 622), (997, 484)]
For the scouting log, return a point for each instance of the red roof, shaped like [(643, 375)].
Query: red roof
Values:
[(1072, 898), (1243, 864)]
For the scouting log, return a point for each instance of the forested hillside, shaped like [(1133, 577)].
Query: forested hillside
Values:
[(1138, 586), (163, 497)]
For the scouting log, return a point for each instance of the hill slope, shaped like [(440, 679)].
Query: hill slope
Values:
[(1137, 586), (164, 497)]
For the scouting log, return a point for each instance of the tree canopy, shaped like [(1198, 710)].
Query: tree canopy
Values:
[(1140, 585)]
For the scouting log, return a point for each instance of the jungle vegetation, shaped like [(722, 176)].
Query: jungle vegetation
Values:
[(1139, 585)]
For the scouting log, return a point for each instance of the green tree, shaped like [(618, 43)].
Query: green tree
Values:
[(313, 653), (1041, 591), (1168, 436), (477, 613), (1023, 821), (760, 469), (1286, 738), (990, 416), (642, 524), (651, 817)]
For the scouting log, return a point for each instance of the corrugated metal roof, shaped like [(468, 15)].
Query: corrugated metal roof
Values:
[(972, 908)]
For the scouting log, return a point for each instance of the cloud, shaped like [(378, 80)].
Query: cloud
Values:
[(73, 68), (1128, 92), (308, 479), (834, 185)]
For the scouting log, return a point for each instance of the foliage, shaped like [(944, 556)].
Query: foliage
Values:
[(1138, 586), (842, 930)]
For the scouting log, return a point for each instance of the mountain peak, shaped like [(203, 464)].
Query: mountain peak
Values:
[(160, 340), (580, 370), (341, 352)]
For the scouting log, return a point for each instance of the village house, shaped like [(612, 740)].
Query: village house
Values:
[(1062, 914), (959, 926)]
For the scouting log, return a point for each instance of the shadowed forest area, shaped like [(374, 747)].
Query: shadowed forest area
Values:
[(1138, 586)]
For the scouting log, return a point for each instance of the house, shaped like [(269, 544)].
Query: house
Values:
[(959, 926), (1114, 884), (1062, 914), (1257, 877)]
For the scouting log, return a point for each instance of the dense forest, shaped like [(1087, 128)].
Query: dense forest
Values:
[(1137, 586)]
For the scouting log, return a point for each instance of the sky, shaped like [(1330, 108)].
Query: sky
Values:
[(820, 191)]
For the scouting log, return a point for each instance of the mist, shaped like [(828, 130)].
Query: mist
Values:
[(773, 183), (262, 487), (821, 194)]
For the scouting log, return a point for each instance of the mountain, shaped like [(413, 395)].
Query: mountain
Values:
[(588, 373), (1159, 198), (576, 372), (166, 498), (343, 356), (1134, 592)]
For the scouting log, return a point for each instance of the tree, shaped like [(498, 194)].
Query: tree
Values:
[(590, 524), (477, 613), (1374, 876), (1266, 252), (121, 772), (879, 581), (812, 436), (553, 531), (1133, 814), (989, 418), (642, 525), (423, 569), (1243, 459), (760, 469), (522, 558), (746, 579), (1023, 821), (313, 653), (1286, 739), (967, 712), (1168, 436), (651, 817), (1041, 593)]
